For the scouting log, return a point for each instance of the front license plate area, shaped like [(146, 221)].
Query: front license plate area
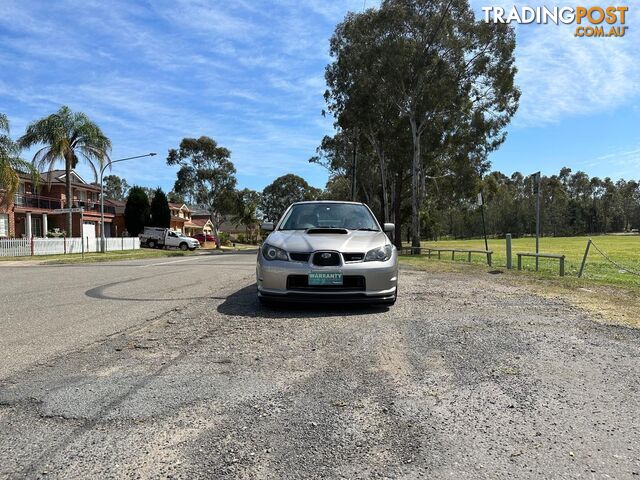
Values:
[(320, 279)]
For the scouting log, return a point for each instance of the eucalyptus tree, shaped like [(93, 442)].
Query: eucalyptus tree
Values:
[(284, 191), (429, 65), (67, 137), (206, 175), (11, 165)]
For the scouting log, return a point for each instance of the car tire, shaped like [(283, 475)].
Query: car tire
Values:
[(151, 244), (184, 247)]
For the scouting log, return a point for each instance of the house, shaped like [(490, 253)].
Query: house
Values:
[(180, 216), (118, 228), (33, 212), (200, 222)]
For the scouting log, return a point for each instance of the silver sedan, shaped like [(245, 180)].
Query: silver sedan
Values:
[(328, 251)]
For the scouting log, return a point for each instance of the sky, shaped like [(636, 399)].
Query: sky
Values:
[(250, 74)]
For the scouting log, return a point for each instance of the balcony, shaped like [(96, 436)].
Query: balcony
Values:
[(46, 203), (36, 201), (94, 207)]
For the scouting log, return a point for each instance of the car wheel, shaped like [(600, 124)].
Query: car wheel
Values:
[(151, 244), (184, 247)]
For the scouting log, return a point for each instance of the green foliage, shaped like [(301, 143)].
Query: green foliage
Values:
[(11, 165), (337, 188), (246, 212), (115, 187), (571, 204), (224, 238), (68, 138), (136, 211), (159, 211), (420, 91), (175, 197), (206, 177), (284, 191)]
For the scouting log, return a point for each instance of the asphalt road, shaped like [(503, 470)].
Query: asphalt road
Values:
[(173, 370), (50, 309)]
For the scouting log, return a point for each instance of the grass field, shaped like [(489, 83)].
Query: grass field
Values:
[(623, 249)]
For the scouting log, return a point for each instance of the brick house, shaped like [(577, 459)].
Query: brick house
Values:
[(31, 212), (200, 222), (180, 216)]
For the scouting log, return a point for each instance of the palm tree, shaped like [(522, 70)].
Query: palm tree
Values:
[(68, 137), (11, 165)]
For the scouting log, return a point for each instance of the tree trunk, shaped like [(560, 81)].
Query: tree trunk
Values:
[(397, 207), (67, 169), (383, 176), (383, 181), (415, 185), (216, 228)]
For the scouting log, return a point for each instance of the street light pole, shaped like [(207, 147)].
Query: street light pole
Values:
[(108, 164)]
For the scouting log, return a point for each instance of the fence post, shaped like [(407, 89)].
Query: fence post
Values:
[(562, 266), (584, 259), (123, 243), (509, 257), (469, 257), (489, 255), (519, 262), (32, 246), (64, 244), (453, 254)]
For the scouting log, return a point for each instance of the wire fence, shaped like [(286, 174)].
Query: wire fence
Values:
[(613, 262)]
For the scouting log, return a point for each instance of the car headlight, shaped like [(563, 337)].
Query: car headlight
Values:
[(270, 252), (380, 254)]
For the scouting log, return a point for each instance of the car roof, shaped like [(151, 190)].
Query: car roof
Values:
[(327, 201)]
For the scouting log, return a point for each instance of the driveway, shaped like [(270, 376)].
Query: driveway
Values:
[(466, 377)]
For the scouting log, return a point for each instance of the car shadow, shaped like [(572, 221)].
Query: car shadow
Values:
[(244, 302)]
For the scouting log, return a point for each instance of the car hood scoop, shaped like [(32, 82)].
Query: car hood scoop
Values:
[(339, 231)]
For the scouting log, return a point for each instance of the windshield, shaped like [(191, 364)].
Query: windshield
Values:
[(329, 215)]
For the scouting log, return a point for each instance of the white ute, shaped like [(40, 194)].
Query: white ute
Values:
[(155, 237)]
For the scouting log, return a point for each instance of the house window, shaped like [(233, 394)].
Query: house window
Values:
[(82, 195), (4, 225)]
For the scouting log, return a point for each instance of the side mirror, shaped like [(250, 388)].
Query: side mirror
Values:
[(389, 227), (267, 226)]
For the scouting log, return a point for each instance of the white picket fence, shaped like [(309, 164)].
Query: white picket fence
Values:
[(22, 247)]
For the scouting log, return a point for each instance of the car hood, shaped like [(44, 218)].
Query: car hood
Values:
[(299, 241)]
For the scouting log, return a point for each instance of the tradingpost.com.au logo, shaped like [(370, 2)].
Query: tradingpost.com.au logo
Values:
[(590, 21)]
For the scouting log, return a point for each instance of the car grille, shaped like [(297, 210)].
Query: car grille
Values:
[(353, 283), (353, 257), (332, 260), (300, 257)]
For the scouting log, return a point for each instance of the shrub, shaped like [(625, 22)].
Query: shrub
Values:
[(224, 238)]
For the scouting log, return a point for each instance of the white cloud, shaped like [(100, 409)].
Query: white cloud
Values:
[(563, 76)]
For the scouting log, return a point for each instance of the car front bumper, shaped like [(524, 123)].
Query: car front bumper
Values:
[(380, 281)]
